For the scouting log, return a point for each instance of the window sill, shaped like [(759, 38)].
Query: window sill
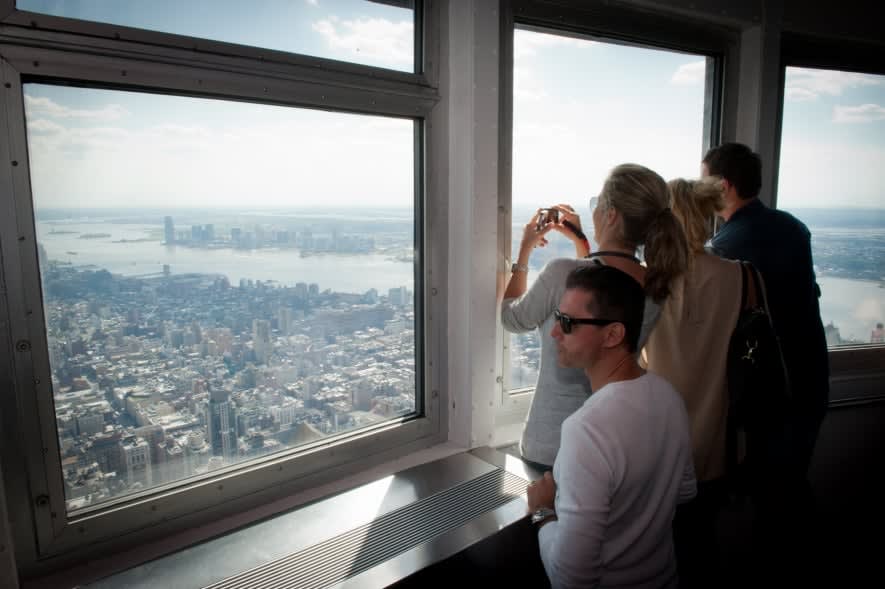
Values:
[(94, 569)]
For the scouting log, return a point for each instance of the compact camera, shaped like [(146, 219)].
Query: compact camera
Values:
[(546, 216)]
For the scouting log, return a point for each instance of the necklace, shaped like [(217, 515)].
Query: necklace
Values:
[(614, 254)]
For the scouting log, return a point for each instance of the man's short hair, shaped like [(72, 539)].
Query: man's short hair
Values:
[(616, 295), (738, 164)]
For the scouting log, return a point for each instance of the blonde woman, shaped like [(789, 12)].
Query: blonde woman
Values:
[(632, 210), (689, 348)]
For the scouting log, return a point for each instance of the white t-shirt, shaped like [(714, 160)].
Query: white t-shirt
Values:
[(624, 463), (559, 391)]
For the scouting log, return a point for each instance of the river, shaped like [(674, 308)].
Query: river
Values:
[(355, 273)]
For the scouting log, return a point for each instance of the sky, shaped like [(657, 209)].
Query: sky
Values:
[(580, 108), (832, 140)]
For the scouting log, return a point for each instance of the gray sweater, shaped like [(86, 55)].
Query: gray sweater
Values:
[(559, 391)]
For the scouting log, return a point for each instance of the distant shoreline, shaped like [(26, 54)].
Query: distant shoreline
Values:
[(880, 281)]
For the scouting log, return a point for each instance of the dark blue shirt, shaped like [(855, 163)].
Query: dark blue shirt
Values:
[(779, 245)]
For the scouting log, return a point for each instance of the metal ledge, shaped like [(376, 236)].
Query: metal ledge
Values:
[(371, 536)]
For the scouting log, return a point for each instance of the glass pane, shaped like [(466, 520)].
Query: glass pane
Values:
[(579, 109), (832, 166), (360, 31), (216, 286)]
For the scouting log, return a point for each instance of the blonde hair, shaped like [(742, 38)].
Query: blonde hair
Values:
[(695, 204), (642, 198)]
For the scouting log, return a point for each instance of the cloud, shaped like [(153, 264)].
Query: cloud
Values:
[(371, 38), (47, 107), (864, 113), (312, 2), (527, 43), (44, 127), (796, 94), (689, 74), (808, 84)]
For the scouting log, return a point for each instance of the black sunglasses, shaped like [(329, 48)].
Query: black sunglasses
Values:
[(566, 323)]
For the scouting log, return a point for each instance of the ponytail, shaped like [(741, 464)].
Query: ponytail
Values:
[(666, 254), (642, 198), (695, 204)]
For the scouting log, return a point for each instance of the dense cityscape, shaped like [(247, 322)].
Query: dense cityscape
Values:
[(160, 377), (169, 374)]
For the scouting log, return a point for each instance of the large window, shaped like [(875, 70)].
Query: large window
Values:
[(832, 165), (581, 107), (360, 31), (230, 254), (214, 290)]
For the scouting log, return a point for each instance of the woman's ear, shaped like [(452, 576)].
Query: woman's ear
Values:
[(612, 218)]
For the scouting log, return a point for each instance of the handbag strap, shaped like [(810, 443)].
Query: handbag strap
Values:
[(753, 292), (757, 297)]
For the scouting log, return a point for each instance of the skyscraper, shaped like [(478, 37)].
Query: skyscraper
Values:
[(137, 458), (261, 340), (222, 424), (170, 230)]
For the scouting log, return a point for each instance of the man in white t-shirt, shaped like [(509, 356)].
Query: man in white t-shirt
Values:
[(605, 512)]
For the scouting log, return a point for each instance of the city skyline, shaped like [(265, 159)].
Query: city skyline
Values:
[(158, 378)]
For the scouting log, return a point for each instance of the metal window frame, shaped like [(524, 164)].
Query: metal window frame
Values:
[(607, 23), (849, 364), (91, 54), (9, 14)]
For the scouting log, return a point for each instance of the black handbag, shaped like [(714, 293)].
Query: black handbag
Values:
[(758, 391)]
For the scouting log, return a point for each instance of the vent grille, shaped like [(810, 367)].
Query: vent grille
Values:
[(362, 548)]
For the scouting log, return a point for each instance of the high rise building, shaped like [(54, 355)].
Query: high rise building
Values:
[(877, 336), (286, 317), (222, 423), (261, 343), (137, 459), (398, 296), (174, 465), (169, 227)]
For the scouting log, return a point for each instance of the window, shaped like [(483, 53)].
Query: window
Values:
[(832, 157), (202, 309), (361, 31), (231, 258), (581, 107)]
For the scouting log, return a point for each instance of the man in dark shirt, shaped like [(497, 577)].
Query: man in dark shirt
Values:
[(779, 245)]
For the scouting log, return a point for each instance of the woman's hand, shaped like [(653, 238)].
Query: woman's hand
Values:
[(533, 237), (569, 224), (567, 213)]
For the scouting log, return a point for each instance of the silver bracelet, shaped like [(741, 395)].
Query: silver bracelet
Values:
[(516, 267)]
